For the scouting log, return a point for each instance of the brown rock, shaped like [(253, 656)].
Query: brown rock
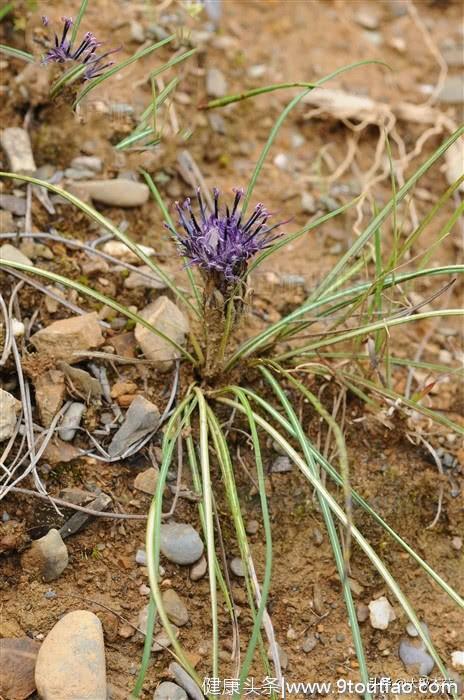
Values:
[(163, 315), (71, 660), (58, 451), (125, 400), (10, 628), (18, 657), (7, 224), (50, 391), (110, 625), (124, 344), (121, 388), (175, 608), (146, 481), (61, 338)]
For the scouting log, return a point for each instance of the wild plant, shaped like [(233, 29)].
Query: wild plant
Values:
[(220, 249)]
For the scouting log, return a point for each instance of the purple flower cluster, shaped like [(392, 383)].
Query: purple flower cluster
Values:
[(221, 244), (64, 50)]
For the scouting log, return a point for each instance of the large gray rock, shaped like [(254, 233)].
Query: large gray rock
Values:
[(61, 338), (9, 407), (117, 192), (180, 543), (17, 146), (141, 418), (163, 315), (47, 556), (71, 660)]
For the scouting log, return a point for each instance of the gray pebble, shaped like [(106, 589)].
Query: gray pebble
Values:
[(93, 163), (252, 527), (47, 556), (216, 85), (281, 465), (71, 421), (184, 680), (137, 32), (452, 91), (237, 567), (17, 146), (169, 691), (309, 643), (199, 569), (15, 205), (180, 543), (141, 557)]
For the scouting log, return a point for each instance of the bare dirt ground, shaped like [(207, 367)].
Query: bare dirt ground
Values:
[(279, 42)]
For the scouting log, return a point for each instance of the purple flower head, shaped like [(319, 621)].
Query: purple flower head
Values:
[(64, 50), (221, 243)]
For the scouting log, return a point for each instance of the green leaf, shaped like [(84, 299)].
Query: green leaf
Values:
[(17, 53)]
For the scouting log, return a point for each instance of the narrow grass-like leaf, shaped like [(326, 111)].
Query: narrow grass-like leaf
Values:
[(360, 539), (17, 53), (209, 524), (335, 476), (280, 120), (340, 559), (92, 84), (239, 97), (171, 435), (267, 535), (253, 344), (383, 214), (78, 19), (67, 78), (371, 328)]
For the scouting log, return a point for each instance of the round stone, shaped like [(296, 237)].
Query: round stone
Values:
[(180, 543)]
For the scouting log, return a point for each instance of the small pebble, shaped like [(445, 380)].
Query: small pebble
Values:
[(252, 527), (457, 659), (309, 643), (180, 543), (184, 680), (381, 613), (141, 557), (411, 630), (281, 465), (87, 163), (237, 567), (169, 691), (199, 569), (71, 421), (282, 654), (362, 612), (281, 161), (216, 85), (415, 657), (457, 543), (47, 556), (175, 608), (17, 146)]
